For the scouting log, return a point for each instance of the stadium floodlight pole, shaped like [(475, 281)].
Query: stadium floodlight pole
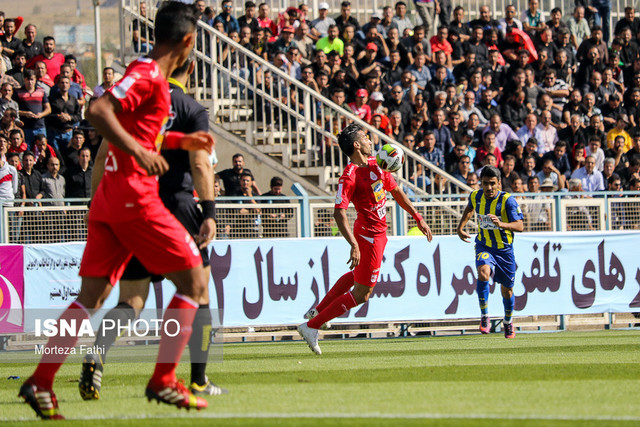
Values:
[(96, 19)]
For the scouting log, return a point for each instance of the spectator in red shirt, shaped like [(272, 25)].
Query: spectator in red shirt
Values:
[(49, 56), (360, 107), (439, 41)]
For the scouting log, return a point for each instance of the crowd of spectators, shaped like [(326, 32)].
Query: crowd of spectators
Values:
[(546, 95), (46, 147)]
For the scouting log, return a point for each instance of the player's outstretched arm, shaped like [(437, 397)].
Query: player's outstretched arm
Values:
[(340, 215), (466, 216), (202, 173), (102, 115), (404, 202), (199, 140)]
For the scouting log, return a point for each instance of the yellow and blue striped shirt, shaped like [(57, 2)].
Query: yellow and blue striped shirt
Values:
[(505, 207)]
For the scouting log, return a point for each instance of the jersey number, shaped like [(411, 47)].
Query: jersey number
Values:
[(482, 255)]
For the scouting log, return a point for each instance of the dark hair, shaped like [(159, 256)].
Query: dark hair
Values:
[(40, 136), (561, 143), (28, 153), (175, 20), (348, 137), (235, 156), (70, 57), (556, 9), (14, 131), (28, 73), (614, 177), (276, 181), (77, 131), (12, 155), (490, 172), (47, 38), (243, 174)]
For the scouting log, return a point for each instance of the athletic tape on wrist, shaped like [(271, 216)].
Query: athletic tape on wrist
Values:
[(208, 208), (417, 217), (172, 140)]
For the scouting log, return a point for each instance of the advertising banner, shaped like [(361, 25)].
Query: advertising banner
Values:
[(274, 282), (11, 289)]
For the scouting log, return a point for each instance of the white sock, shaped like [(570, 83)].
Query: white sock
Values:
[(507, 321)]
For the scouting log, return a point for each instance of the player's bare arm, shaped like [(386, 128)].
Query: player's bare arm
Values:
[(102, 115), (340, 215), (202, 173), (404, 202), (511, 226), (199, 140), (466, 216)]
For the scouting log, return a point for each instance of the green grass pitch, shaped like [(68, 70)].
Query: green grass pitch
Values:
[(559, 379)]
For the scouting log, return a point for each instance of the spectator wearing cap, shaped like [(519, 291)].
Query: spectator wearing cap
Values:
[(284, 42), (320, 25), (592, 179), (331, 42), (360, 107), (345, 17), (229, 22), (619, 129), (375, 21), (249, 18), (402, 20), (375, 103), (368, 62), (548, 186)]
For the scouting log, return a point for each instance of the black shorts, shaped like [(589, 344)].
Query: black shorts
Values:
[(188, 212)]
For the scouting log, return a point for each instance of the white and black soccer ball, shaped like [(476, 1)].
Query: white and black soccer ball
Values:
[(390, 157)]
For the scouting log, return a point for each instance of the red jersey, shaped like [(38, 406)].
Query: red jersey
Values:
[(363, 112), (53, 64), (126, 191), (367, 187)]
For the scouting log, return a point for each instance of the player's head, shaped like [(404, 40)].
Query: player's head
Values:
[(176, 24), (354, 137), (490, 181)]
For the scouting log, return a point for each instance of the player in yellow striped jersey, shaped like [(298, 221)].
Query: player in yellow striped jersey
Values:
[(498, 217)]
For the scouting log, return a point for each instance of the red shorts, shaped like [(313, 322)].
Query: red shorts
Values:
[(371, 251), (161, 244)]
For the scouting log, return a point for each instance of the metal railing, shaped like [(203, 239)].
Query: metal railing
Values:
[(280, 115), (241, 218)]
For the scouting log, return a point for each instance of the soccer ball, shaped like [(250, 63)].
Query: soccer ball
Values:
[(390, 157)]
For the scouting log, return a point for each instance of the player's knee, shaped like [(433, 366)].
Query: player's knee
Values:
[(484, 274)]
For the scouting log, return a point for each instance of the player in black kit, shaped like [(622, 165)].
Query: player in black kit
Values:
[(188, 170)]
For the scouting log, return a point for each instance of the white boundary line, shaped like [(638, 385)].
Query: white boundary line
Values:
[(276, 415)]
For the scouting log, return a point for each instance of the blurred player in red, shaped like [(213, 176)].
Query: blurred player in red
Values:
[(127, 216), (365, 184)]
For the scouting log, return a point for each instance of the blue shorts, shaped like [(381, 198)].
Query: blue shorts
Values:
[(502, 262)]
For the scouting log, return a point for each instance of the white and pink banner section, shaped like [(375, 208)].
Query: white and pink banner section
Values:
[(274, 282)]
